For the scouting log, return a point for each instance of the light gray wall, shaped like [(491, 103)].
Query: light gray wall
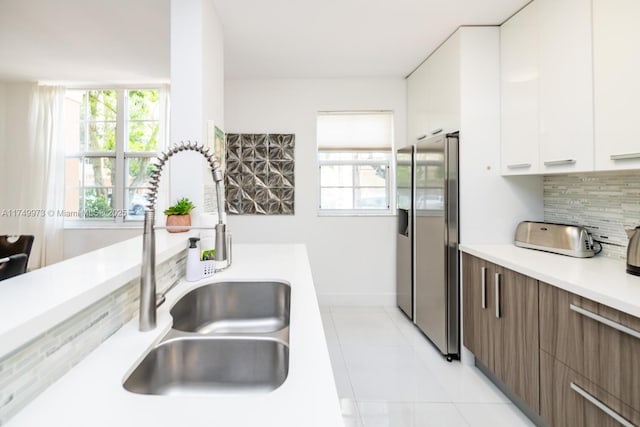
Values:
[(3, 124), (352, 258), (15, 99), (80, 241)]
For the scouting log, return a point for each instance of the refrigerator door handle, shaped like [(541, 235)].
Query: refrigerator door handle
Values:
[(498, 295), (483, 276)]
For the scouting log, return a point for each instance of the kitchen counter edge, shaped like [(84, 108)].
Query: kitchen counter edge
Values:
[(603, 280)]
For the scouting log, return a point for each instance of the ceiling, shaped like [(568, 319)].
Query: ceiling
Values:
[(122, 41), (114, 41)]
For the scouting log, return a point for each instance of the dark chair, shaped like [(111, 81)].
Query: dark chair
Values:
[(13, 265), (9, 245)]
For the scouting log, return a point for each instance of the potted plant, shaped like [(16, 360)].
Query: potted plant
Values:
[(178, 214)]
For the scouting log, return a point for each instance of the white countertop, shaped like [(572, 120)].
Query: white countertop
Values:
[(32, 303), (600, 279), (91, 394)]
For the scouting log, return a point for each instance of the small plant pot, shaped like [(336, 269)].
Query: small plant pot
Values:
[(176, 220)]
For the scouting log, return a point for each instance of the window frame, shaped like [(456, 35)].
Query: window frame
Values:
[(388, 163), (120, 156)]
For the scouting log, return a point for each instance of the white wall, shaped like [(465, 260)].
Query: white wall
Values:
[(197, 90), (352, 258)]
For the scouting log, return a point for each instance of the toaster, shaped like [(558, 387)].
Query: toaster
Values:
[(564, 239)]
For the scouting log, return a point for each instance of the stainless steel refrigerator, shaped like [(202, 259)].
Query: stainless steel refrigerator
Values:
[(427, 275)]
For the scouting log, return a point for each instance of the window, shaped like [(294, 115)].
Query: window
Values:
[(111, 137), (354, 156)]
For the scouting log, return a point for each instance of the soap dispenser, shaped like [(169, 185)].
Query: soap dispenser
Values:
[(194, 269)]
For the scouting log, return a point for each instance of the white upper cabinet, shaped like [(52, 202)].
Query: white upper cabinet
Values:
[(566, 86), (616, 54), (519, 92), (433, 92), (547, 89)]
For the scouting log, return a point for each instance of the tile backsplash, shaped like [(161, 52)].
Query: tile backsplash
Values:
[(605, 202), (30, 369)]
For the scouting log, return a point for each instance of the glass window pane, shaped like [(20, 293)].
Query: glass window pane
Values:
[(72, 201), (143, 104), (99, 105), (336, 198), (136, 201), (72, 107), (73, 172), (98, 136), (336, 176), (143, 116), (370, 198), (98, 203), (139, 170), (370, 176), (99, 171), (143, 136)]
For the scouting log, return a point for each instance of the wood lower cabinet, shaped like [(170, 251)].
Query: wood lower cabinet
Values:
[(477, 316), (501, 325), (567, 399), (516, 357), (596, 341), (573, 361)]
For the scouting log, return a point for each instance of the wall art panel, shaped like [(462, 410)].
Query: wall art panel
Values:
[(260, 178)]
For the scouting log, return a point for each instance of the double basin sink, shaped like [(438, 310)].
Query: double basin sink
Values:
[(226, 338)]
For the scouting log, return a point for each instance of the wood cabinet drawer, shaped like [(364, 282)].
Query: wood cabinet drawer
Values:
[(567, 399), (595, 348)]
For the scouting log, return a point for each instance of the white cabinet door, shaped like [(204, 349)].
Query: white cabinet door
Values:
[(616, 55), (433, 92), (417, 103), (443, 87), (566, 86), (519, 92)]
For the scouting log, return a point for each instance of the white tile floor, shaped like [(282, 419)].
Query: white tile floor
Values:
[(388, 374)]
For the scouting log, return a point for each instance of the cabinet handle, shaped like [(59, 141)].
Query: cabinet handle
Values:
[(625, 156), (421, 137), (483, 278), (498, 295), (519, 166), (560, 162), (605, 321), (604, 408)]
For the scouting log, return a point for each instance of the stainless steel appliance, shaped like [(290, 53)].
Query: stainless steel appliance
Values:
[(564, 239), (633, 251), (427, 278)]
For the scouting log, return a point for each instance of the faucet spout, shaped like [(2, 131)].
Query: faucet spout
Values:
[(148, 269)]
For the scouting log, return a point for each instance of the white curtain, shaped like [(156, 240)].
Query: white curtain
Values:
[(43, 185)]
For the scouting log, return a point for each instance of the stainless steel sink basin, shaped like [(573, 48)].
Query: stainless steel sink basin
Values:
[(234, 307), (211, 365)]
